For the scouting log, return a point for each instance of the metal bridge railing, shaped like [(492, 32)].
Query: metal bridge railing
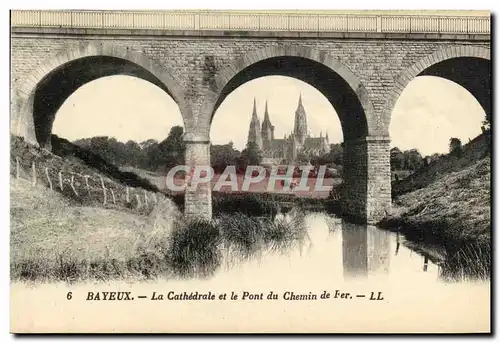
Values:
[(230, 21)]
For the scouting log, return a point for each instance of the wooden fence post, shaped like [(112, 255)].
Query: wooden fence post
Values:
[(17, 168), (113, 195), (138, 200), (61, 181), (48, 177), (145, 199), (103, 190), (127, 195), (73, 184), (33, 166), (87, 184), (154, 198)]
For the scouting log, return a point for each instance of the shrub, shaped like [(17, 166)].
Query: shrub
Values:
[(193, 248)]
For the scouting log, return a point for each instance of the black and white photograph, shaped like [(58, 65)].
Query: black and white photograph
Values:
[(250, 171)]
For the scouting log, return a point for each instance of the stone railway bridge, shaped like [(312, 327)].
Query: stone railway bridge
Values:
[(360, 62)]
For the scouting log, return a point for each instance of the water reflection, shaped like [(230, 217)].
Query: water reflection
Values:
[(365, 250), (398, 243), (297, 247)]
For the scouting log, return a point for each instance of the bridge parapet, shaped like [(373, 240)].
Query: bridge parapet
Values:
[(253, 21)]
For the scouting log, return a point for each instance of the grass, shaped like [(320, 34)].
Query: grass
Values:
[(250, 204), (248, 235), (52, 239), (198, 247), (64, 148), (263, 204), (457, 205), (472, 152), (468, 261), (89, 193), (455, 212), (193, 248)]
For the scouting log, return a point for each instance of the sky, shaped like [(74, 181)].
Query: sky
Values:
[(428, 113)]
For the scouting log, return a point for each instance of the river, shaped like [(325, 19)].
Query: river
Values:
[(343, 278)]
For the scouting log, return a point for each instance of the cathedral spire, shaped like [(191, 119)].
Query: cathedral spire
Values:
[(266, 115), (267, 131), (254, 113), (300, 129), (254, 132)]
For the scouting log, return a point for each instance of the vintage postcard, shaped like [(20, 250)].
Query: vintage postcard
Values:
[(209, 171)]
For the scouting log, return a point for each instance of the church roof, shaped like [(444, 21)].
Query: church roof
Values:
[(278, 143), (314, 142)]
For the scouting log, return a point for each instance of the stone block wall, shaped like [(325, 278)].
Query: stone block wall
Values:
[(354, 175), (366, 177), (195, 62), (195, 70), (378, 190), (198, 201)]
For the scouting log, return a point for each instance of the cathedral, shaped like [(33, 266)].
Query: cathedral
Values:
[(289, 147)]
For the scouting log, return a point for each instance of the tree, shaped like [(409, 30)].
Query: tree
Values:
[(148, 143), (455, 146), (222, 156), (334, 157), (134, 155), (413, 159), (302, 157), (487, 119), (251, 155), (101, 146), (397, 159), (316, 160), (169, 152)]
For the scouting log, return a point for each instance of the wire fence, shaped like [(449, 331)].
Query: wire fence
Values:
[(84, 187)]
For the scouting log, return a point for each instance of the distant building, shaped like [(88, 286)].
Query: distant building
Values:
[(289, 147)]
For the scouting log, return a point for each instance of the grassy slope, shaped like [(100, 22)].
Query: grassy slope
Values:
[(52, 239), (45, 227), (449, 200), (455, 206), (67, 158), (472, 152), (54, 236), (81, 157)]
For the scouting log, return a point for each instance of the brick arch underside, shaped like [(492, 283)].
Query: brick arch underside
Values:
[(468, 66), (46, 89), (333, 79)]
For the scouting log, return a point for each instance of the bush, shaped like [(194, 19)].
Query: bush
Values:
[(193, 248), (250, 204)]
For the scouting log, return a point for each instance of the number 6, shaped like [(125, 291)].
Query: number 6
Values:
[(69, 295)]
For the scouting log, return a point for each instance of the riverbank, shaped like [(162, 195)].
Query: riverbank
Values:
[(456, 206), (454, 211), (53, 239)]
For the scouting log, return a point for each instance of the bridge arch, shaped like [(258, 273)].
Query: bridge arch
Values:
[(38, 96), (366, 195), (330, 76), (467, 65)]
